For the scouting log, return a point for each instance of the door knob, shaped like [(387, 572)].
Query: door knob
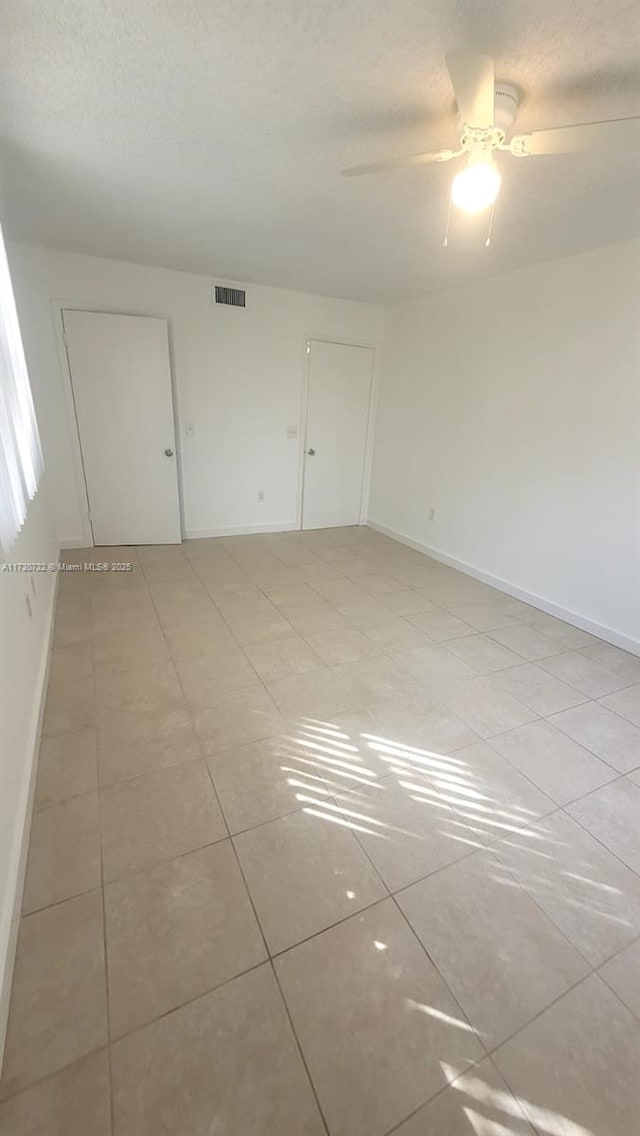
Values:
[(168, 453), (312, 452)]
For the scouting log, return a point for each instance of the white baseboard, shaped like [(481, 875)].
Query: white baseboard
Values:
[(240, 530), (617, 638), (202, 534), (18, 865)]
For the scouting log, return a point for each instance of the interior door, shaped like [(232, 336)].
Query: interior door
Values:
[(121, 378), (339, 394)]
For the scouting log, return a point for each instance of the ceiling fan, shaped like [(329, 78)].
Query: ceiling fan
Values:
[(486, 112)]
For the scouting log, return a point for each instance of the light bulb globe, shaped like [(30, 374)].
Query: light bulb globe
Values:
[(476, 187)]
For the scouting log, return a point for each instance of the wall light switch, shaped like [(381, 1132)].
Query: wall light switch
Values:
[(189, 429), (292, 431)]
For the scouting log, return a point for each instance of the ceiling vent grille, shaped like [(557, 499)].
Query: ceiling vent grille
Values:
[(234, 297)]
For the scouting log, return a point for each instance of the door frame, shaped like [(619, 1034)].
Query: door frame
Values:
[(57, 308), (371, 418)]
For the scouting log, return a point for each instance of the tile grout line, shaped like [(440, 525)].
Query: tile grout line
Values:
[(299, 1046), (100, 887), (104, 920), (104, 1048), (597, 838)]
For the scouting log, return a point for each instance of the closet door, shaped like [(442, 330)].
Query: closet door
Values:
[(121, 379), (339, 395)]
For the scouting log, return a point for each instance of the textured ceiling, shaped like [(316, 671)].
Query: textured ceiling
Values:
[(207, 135)]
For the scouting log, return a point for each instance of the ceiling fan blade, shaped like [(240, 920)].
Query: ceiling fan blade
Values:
[(395, 163), (473, 81), (589, 138)]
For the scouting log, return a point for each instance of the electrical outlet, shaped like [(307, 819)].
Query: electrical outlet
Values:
[(260, 495), (432, 514), (189, 429), (292, 431)]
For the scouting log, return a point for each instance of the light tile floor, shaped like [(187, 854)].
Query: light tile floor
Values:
[(327, 837)]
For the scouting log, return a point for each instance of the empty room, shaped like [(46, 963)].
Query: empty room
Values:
[(319, 568)]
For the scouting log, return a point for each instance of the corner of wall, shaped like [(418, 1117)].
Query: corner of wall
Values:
[(625, 642), (28, 740), (24, 811)]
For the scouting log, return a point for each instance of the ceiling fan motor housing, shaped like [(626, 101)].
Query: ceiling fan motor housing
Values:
[(506, 106), (480, 142), (506, 99)]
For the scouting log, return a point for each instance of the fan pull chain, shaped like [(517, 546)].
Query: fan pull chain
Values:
[(487, 243), (445, 243)]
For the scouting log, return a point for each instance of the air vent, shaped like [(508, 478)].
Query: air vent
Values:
[(235, 297)]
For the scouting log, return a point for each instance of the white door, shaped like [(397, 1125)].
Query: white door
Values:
[(339, 394), (121, 379)]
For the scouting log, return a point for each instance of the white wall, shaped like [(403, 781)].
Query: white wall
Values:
[(24, 653), (238, 378), (511, 407)]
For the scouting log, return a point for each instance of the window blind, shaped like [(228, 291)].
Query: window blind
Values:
[(21, 463)]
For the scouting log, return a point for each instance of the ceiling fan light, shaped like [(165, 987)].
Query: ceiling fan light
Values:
[(476, 186)]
